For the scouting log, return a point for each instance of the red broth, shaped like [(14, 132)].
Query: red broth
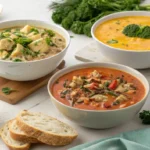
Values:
[(107, 74)]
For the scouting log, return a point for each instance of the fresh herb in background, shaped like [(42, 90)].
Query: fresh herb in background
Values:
[(79, 15), (71, 36), (7, 90), (145, 116)]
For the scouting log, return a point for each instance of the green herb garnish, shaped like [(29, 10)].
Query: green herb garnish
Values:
[(8, 30), (49, 32), (112, 41), (145, 116), (65, 83), (112, 93), (19, 34), (49, 42), (36, 31), (7, 90), (23, 41), (116, 103), (17, 60), (27, 51)]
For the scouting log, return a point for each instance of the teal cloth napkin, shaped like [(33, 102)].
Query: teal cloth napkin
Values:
[(133, 140)]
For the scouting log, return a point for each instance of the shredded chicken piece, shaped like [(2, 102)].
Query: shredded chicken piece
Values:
[(124, 87), (77, 80), (99, 98), (96, 74), (121, 98)]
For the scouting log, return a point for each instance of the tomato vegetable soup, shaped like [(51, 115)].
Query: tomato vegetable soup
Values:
[(128, 33), (98, 89)]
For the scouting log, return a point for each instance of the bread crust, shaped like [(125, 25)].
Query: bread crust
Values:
[(21, 137), (11, 147), (44, 137)]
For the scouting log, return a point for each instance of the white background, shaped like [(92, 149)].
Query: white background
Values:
[(40, 101)]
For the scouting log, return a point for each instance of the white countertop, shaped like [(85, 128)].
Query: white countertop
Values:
[(40, 101)]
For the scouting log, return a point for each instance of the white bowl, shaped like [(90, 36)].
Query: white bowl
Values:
[(31, 70), (99, 119), (135, 59)]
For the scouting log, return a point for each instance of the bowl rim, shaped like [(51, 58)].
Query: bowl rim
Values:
[(46, 22), (115, 15), (52, 80)]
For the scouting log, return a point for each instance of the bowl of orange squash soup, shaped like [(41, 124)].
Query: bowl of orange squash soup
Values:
[(124, 38), (98, 95)]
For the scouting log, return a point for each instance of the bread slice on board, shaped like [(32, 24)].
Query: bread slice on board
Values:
[(19, 135), (12, 144), (46, 129)]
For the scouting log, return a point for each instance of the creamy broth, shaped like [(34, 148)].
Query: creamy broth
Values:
[(29, 43), (112, 30)]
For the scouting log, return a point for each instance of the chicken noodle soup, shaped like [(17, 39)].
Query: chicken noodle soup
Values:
[(98, 89), (29, 43), (111, 33)]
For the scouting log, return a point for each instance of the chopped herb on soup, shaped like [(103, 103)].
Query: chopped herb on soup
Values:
[(98, 88)]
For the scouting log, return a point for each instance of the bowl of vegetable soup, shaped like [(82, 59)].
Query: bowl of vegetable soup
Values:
[(124, 38), (31, 49), (98, 95)]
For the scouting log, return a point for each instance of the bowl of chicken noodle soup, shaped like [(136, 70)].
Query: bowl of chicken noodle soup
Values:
[(30, 49), (98, 95)]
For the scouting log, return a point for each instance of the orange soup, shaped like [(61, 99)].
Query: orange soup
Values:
[(98, 89), (110, 33)]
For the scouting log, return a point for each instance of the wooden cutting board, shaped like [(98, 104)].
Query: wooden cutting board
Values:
[(23, 89)]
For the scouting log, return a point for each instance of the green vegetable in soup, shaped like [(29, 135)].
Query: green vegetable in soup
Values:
[(131, 30), (145, 32)]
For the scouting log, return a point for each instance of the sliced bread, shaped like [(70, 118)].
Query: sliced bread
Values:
[(19, 135), (46, 129), (12, 144)]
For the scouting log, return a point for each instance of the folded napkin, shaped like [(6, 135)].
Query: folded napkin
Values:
[(134, 140)]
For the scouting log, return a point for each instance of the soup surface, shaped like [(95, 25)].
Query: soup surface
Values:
[(98, 89), (29, 43), (110, 33)]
